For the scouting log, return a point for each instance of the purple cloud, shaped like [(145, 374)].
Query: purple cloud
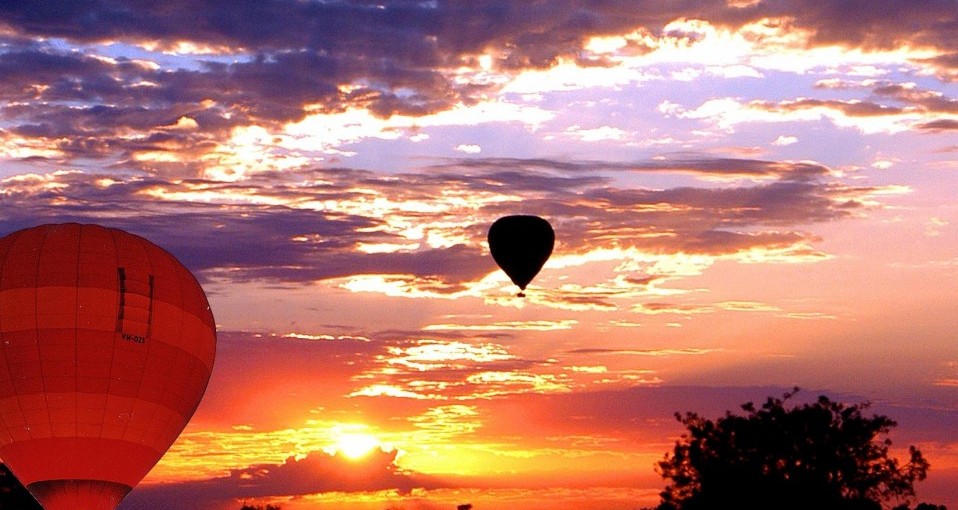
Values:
[(270, 228), (316, 473), (269, 63)]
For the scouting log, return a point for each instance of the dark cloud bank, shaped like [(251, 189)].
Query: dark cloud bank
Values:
[(315, 473), (267, 62), (235, 236)]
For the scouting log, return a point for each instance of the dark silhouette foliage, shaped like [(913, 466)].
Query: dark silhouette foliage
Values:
[(820, 455), (260, 507), (13, 494)]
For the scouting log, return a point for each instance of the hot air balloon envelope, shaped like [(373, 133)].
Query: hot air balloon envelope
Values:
[(521, 245), (108, 343)]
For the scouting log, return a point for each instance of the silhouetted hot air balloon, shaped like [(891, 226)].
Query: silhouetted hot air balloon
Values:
[(521, 245), (107, 344)]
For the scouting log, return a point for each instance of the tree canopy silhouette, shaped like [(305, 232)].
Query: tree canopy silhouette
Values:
[(820, 455)]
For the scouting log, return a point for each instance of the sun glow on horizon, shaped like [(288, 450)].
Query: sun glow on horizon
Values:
[(356, 445)]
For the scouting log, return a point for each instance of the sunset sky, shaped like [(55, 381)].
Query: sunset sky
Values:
[(747, 196)]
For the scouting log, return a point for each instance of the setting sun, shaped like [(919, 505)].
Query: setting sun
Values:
[(356, 445)]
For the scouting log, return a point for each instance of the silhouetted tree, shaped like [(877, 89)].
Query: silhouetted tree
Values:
[(259, 507), (13, 494), (820, 455), (467, 506)]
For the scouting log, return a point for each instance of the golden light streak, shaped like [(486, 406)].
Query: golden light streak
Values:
[(773, 44), (747, 306), (105, 182), (506, 383), (187, 48), (250, 150), (619, 323), (145, 64), (632, 378), (445, 423), (390, 390), (891, 189), (593, 369), (326, 338), (809, 316), (14, 148), (537, 325), (185, 123), (408, 286), (432, 354), (476, 382), (800, 253), (605, 44), (34, 183), (386, 247), (157, 156), (671, 308), (727, 112)]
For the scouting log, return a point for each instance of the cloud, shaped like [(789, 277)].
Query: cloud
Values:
[(468, 148), (302, 232), (939, 125), (423, 233), (870, 28), (704, 167), (597, 134), (892, 108), (536, 325), (459, 369), (317, 472), (693, 351), (269, 65), (425, 355), (934, 226), (397, 29)]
